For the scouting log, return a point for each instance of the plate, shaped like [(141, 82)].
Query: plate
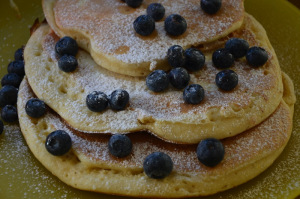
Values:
[(22, 176)]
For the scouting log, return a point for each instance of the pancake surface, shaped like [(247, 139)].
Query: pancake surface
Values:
[(220, 115), (105, 29), (89, 166)]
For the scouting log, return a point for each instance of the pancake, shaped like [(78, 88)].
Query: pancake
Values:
[(220, 115), (104, 28), (89, 166)]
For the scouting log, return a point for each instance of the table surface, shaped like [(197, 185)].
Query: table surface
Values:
[(295, 2), (22, 176)]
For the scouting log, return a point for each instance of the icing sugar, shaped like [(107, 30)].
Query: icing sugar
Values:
[(166, 105), (21, 171), (92, 149), (99, 19), (221, 114)]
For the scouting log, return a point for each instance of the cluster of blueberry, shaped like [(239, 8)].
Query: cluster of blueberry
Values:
[(58, 142), (145, 24), (158, 165), (193, 60), (182, 61), (9, 91), (236, 48), (175, 24), (210, 152), (98, 101), (66, 49)]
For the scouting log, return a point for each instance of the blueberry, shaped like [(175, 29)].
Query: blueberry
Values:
[(19, 54), (193, 94), (157, 81), (158, 165), (210, 152), (67, 63), (11, 79), (118, 99), (227, 80), (97, 101), (35, 108), (16, 67), (211, 6), (1, 127), (8, 95), (257, 56), (156, 11), (237, 47), (144, 25), (175, 25), (134, 3), (9, 113), (66, 46), (194, 59), (176, 56), (119, 145), (222, 58), (179, 78), (58, 143)]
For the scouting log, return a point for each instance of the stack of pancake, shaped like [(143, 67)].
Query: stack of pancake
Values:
[(253, 121)]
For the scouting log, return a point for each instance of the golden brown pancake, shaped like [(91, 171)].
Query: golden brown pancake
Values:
[(105, 29), (220, 115), (89, 166)]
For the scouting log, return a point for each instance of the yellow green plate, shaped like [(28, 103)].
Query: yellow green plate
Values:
[(22, 176)]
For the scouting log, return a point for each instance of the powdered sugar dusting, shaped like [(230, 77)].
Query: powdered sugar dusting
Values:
[(66, 93), (19, 167), (20, 170), (91, 149), (98, 19), (280, 180)]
